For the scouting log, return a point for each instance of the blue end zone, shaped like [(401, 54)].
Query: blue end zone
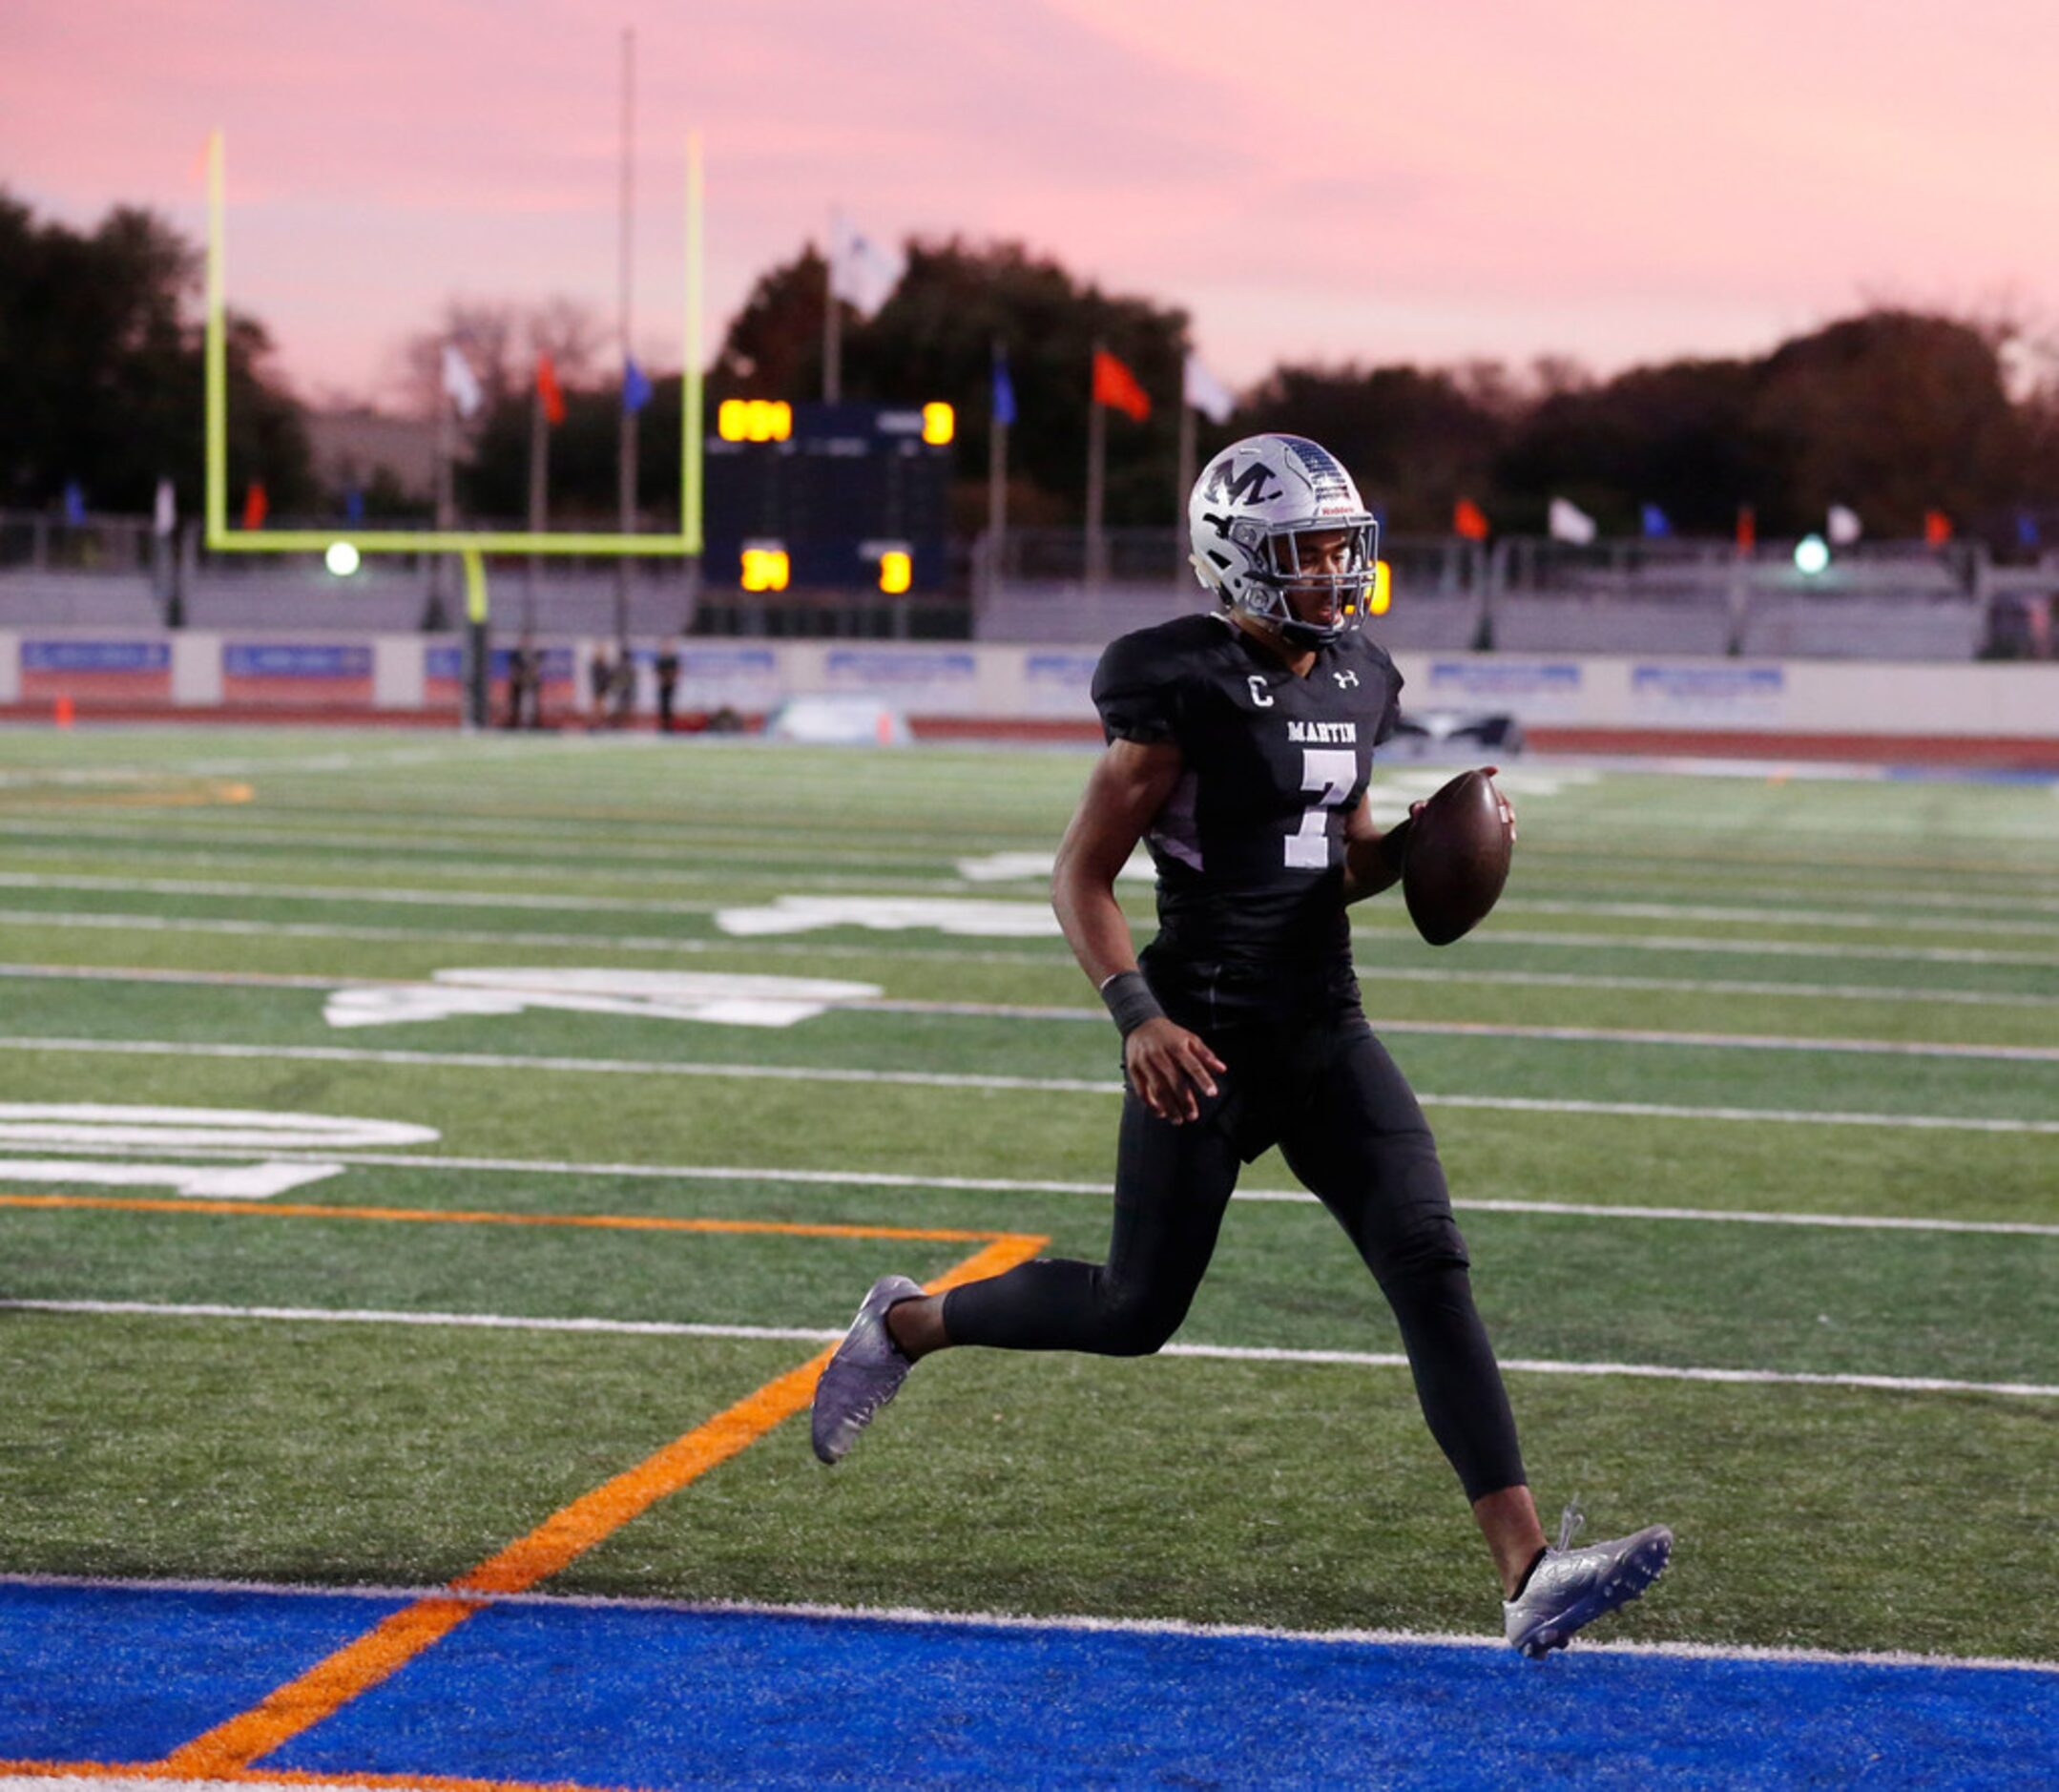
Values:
[(664, 1698), (672, 1698), (112, 1675)]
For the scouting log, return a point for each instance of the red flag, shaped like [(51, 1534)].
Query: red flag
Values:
[(256, 504), (1469, 520), (549, 390), (1747, 529), (1937, 528), (1116, 387)]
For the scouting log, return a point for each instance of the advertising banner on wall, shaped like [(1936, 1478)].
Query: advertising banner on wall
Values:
[(123, 671), (1531, 690), (922, 680), (443, 675), (1058, 684), (746, 679), (297, 673), (1696, 694)]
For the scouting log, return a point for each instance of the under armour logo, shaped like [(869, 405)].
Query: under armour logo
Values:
[(1260, 696), (1345, 679)]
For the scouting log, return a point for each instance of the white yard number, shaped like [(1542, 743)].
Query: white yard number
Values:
[(1332, 772)]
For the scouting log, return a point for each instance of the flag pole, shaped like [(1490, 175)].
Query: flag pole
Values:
[(832, 317), (626, 507), (1096, 478), (997, 476)]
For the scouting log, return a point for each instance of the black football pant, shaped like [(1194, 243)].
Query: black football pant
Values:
[(1351, 1129)]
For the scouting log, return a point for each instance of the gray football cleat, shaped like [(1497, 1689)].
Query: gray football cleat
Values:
[(1571, 1588), (865, 1374)]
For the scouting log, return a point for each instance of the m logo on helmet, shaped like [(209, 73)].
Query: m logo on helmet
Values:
[(1245, 488)]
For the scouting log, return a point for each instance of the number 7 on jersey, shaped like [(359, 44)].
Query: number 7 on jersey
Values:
[(1332, 772)]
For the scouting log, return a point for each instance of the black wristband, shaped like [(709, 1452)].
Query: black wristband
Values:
[(1394, 845), (1130, 1001)]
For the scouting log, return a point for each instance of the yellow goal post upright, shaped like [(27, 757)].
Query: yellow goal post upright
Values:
[(470, 545)]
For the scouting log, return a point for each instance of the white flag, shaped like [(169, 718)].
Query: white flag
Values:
[(1568, 521), (862, 271), (166, 517), (1841, 526), (1206, 393), (459, 382)]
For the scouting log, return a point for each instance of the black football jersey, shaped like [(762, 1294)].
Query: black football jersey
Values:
[(1250, 847)]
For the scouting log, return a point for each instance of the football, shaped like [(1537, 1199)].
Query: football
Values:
[(1458, 850)]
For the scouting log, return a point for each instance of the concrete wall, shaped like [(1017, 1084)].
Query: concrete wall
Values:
[(1040, 687)]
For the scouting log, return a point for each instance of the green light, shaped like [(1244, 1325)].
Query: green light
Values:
[(342, 558), (1812, 555)]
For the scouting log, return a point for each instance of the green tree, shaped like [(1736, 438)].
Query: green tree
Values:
[(1416, 440), (100, 356), (934, 338)]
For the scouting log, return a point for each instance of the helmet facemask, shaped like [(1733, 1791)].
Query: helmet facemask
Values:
[(1292, 563)]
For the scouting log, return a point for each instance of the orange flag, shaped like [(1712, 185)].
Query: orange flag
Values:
[(549, 390), (1116, 387), (1937, 528), (1747, 529), (1469, 520), (256, 504)]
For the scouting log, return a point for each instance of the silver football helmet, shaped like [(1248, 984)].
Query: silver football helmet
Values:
[(1248, 516)]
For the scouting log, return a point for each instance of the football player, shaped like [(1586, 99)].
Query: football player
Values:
[(1239, 745)]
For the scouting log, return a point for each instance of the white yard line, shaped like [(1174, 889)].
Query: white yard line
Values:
[(121, 923), (1767, 917), (370, 895), (459, 898), (1485, 1030), (1369, 939), (1492, 1030), (1025, 1621), (1225, 1353), (1373, 979), (755, 1175), (938, 1079)]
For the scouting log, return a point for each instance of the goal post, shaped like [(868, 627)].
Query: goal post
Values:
[(684, 543)]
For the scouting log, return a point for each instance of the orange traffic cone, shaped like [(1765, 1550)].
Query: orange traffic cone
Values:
[(62, 712)]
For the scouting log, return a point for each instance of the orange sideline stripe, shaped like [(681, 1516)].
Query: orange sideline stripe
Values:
[(329, 1684), (458, 1216), (564, 1536)]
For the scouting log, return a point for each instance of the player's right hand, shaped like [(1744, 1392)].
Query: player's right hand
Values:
[(1169, 1069)]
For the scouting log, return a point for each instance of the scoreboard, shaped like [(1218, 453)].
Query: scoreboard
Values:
[(851, 497)]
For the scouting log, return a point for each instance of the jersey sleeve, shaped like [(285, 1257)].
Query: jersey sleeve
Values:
[(1136, 693), (1390, 717)]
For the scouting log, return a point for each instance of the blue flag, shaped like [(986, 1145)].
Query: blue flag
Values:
[(2026, 530), (635, 388), (1654, 521), (353, 506), (75, 502), (1004, 393)]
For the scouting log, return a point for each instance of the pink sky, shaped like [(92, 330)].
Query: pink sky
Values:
[(1323, 180)]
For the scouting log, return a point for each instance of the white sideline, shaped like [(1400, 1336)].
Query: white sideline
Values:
[(368, 894), (461, 898), (1020, 1620), (1228, 1353), (120, 920), (1373, 977), (940, 1079), (1019, 1185), (123, 923), (1002, 1010)]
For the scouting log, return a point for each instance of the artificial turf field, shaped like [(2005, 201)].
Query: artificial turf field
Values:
[(1749, 1096)]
